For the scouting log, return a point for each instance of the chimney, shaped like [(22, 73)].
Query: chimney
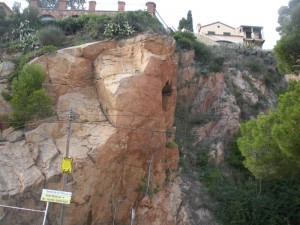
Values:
[(62, 5), (151, 7), (34, 3), (121, 6), (92, 5), (198, 28)]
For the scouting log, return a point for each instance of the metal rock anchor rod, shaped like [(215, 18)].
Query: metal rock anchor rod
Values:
[(71, 116)]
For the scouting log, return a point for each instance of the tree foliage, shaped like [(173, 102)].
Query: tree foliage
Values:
[(190, 21), (28, 99), (286, 131), (187, 23), (21, 27), (287, 49), (242, 200), (3, 24), (271, 143)]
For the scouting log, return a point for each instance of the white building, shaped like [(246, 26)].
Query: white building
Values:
[(222, 33)]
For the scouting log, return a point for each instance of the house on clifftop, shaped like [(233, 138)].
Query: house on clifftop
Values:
[(5, 9), (62, 10), (221, 33)]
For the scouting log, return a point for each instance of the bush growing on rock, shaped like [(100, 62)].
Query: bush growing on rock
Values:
[(70, 25), (51, 35), (28, 98)]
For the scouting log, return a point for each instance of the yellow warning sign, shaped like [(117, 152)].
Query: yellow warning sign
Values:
[(61, 197), (66, 165)]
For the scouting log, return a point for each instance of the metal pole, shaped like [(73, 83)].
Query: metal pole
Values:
[(71, 117), (132, 216), (46, 211)]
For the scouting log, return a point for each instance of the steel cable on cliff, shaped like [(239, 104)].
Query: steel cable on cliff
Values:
[(98, 122), (84, 122)]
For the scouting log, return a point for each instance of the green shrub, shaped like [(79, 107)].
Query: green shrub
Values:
[(268, 80), (70, 25), (187, 40), (11, 48), (28, 99), (217, 63), (47, 49), (203, 52), (245, 201), (171, 144), (184, 43), (7, 97), (51, 35), (184, 34), (254, 65), (184, 40), (140, 21), (94, 25), (20, 63)]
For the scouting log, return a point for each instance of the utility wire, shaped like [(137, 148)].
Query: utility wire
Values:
[(13, 207), (128, 115), (95, 122)]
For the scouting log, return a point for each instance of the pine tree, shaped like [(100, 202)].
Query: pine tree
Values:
[(287, 49), (271, 143)]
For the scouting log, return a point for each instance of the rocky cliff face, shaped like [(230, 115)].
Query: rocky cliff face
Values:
[(123, 94), (217, 102), (210, 109)]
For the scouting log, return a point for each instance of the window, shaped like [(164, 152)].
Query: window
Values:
[(47, 18), (211, 32), (226, 33)]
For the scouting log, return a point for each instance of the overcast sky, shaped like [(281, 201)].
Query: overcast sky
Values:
[(231, 12)]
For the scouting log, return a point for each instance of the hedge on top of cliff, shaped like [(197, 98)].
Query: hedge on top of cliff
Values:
[(120, 25), (187, 40), (18, 31)]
